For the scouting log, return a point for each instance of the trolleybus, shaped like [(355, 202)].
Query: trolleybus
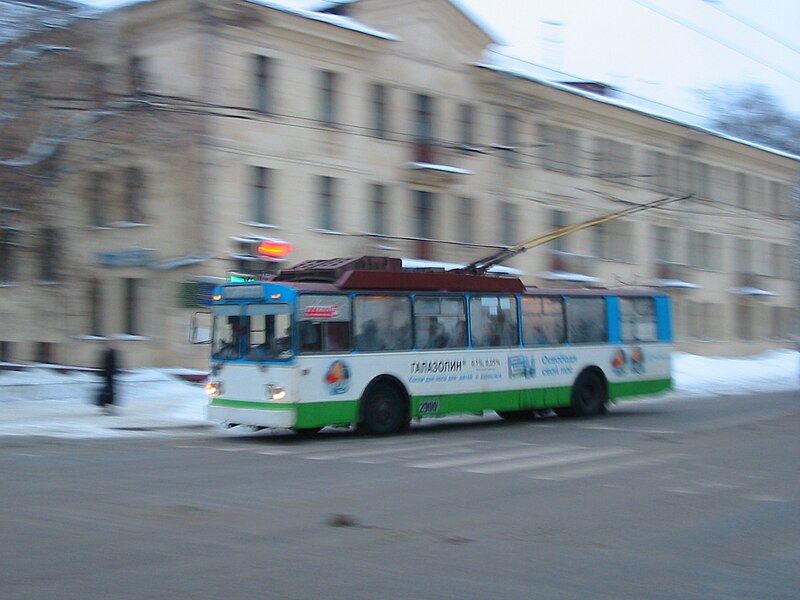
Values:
[(361, 342)]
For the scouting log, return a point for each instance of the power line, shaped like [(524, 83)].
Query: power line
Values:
[(718, 5), (709, 35)]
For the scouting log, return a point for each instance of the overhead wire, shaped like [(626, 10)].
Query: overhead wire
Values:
[(709, 35)]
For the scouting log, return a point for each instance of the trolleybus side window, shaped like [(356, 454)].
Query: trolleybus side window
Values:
[(542, 320), (270, 332), (586, 319), (493, 321), (440, 322), (383, 323), (638, 320), (325, 323)]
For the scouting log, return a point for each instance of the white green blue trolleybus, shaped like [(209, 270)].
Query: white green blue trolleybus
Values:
[(363, 343)]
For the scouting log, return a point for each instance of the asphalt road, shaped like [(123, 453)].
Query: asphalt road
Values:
[(694, 498)]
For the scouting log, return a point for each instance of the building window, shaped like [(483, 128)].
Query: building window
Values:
[(136, 72), (704, 320), (424, 215), (95, 304), (130, 306), (45, 352), (261, 200), (508, 223), (508, 129), (8, 245), (424, 150), (328, 108), (6, 351), (558, 219), (466, 219), (467, 126), (612, 240), (560, 148), (378, 209), (621, 240), (779, 194), (743, 255), (262, 92), (134, 195), (613, 159), (380, 111), (96, 193), (742, 190), (50, 252), (661, 172), (424, 223), (327, 203), (663, 244), (424, 129), (100, 85), (744, 321), (692, 177)]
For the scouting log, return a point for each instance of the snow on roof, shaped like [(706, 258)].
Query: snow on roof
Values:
[(523, 70), (424, 166), (751, 291), (420, 263), (566, 276), (337, 20), (331, 19), (674, 283)]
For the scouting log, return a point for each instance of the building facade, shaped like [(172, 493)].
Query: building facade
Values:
[(379, 127)]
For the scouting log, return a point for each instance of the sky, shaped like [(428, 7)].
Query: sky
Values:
[(42, 402), (658, 49), (661, 50)]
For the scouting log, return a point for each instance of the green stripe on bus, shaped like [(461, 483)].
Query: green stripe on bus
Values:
[(638, 388), (319, 414), (247, 404), (534, 398)]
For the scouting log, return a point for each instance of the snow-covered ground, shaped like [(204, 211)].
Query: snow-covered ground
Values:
[(43, 402)]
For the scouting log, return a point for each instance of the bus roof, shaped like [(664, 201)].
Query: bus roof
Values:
[(385, 274)]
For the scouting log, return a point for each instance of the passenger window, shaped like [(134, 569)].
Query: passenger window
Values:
[(638, 320), (440, 322), (383, 323), (493, 321), (586, 320), (542, 321), (325, 323)]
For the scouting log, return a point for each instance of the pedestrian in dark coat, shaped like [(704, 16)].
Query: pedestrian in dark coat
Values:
[(108, 369)]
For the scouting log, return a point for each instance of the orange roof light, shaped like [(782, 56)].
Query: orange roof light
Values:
[(275, 249)]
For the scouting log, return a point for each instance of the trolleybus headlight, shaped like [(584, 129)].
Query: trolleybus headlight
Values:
[(214, 388), (273, 392)]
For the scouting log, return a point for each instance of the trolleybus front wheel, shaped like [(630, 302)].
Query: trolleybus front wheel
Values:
[(383, 410)]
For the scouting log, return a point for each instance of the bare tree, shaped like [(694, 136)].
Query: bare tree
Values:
[(753, 113)]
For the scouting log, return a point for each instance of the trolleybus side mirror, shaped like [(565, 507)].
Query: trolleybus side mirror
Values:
[(200, 328)]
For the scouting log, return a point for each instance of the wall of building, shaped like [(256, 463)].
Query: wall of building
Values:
[(200, 138)]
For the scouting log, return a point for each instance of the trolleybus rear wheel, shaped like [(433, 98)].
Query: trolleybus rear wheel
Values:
[(589, 396)]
